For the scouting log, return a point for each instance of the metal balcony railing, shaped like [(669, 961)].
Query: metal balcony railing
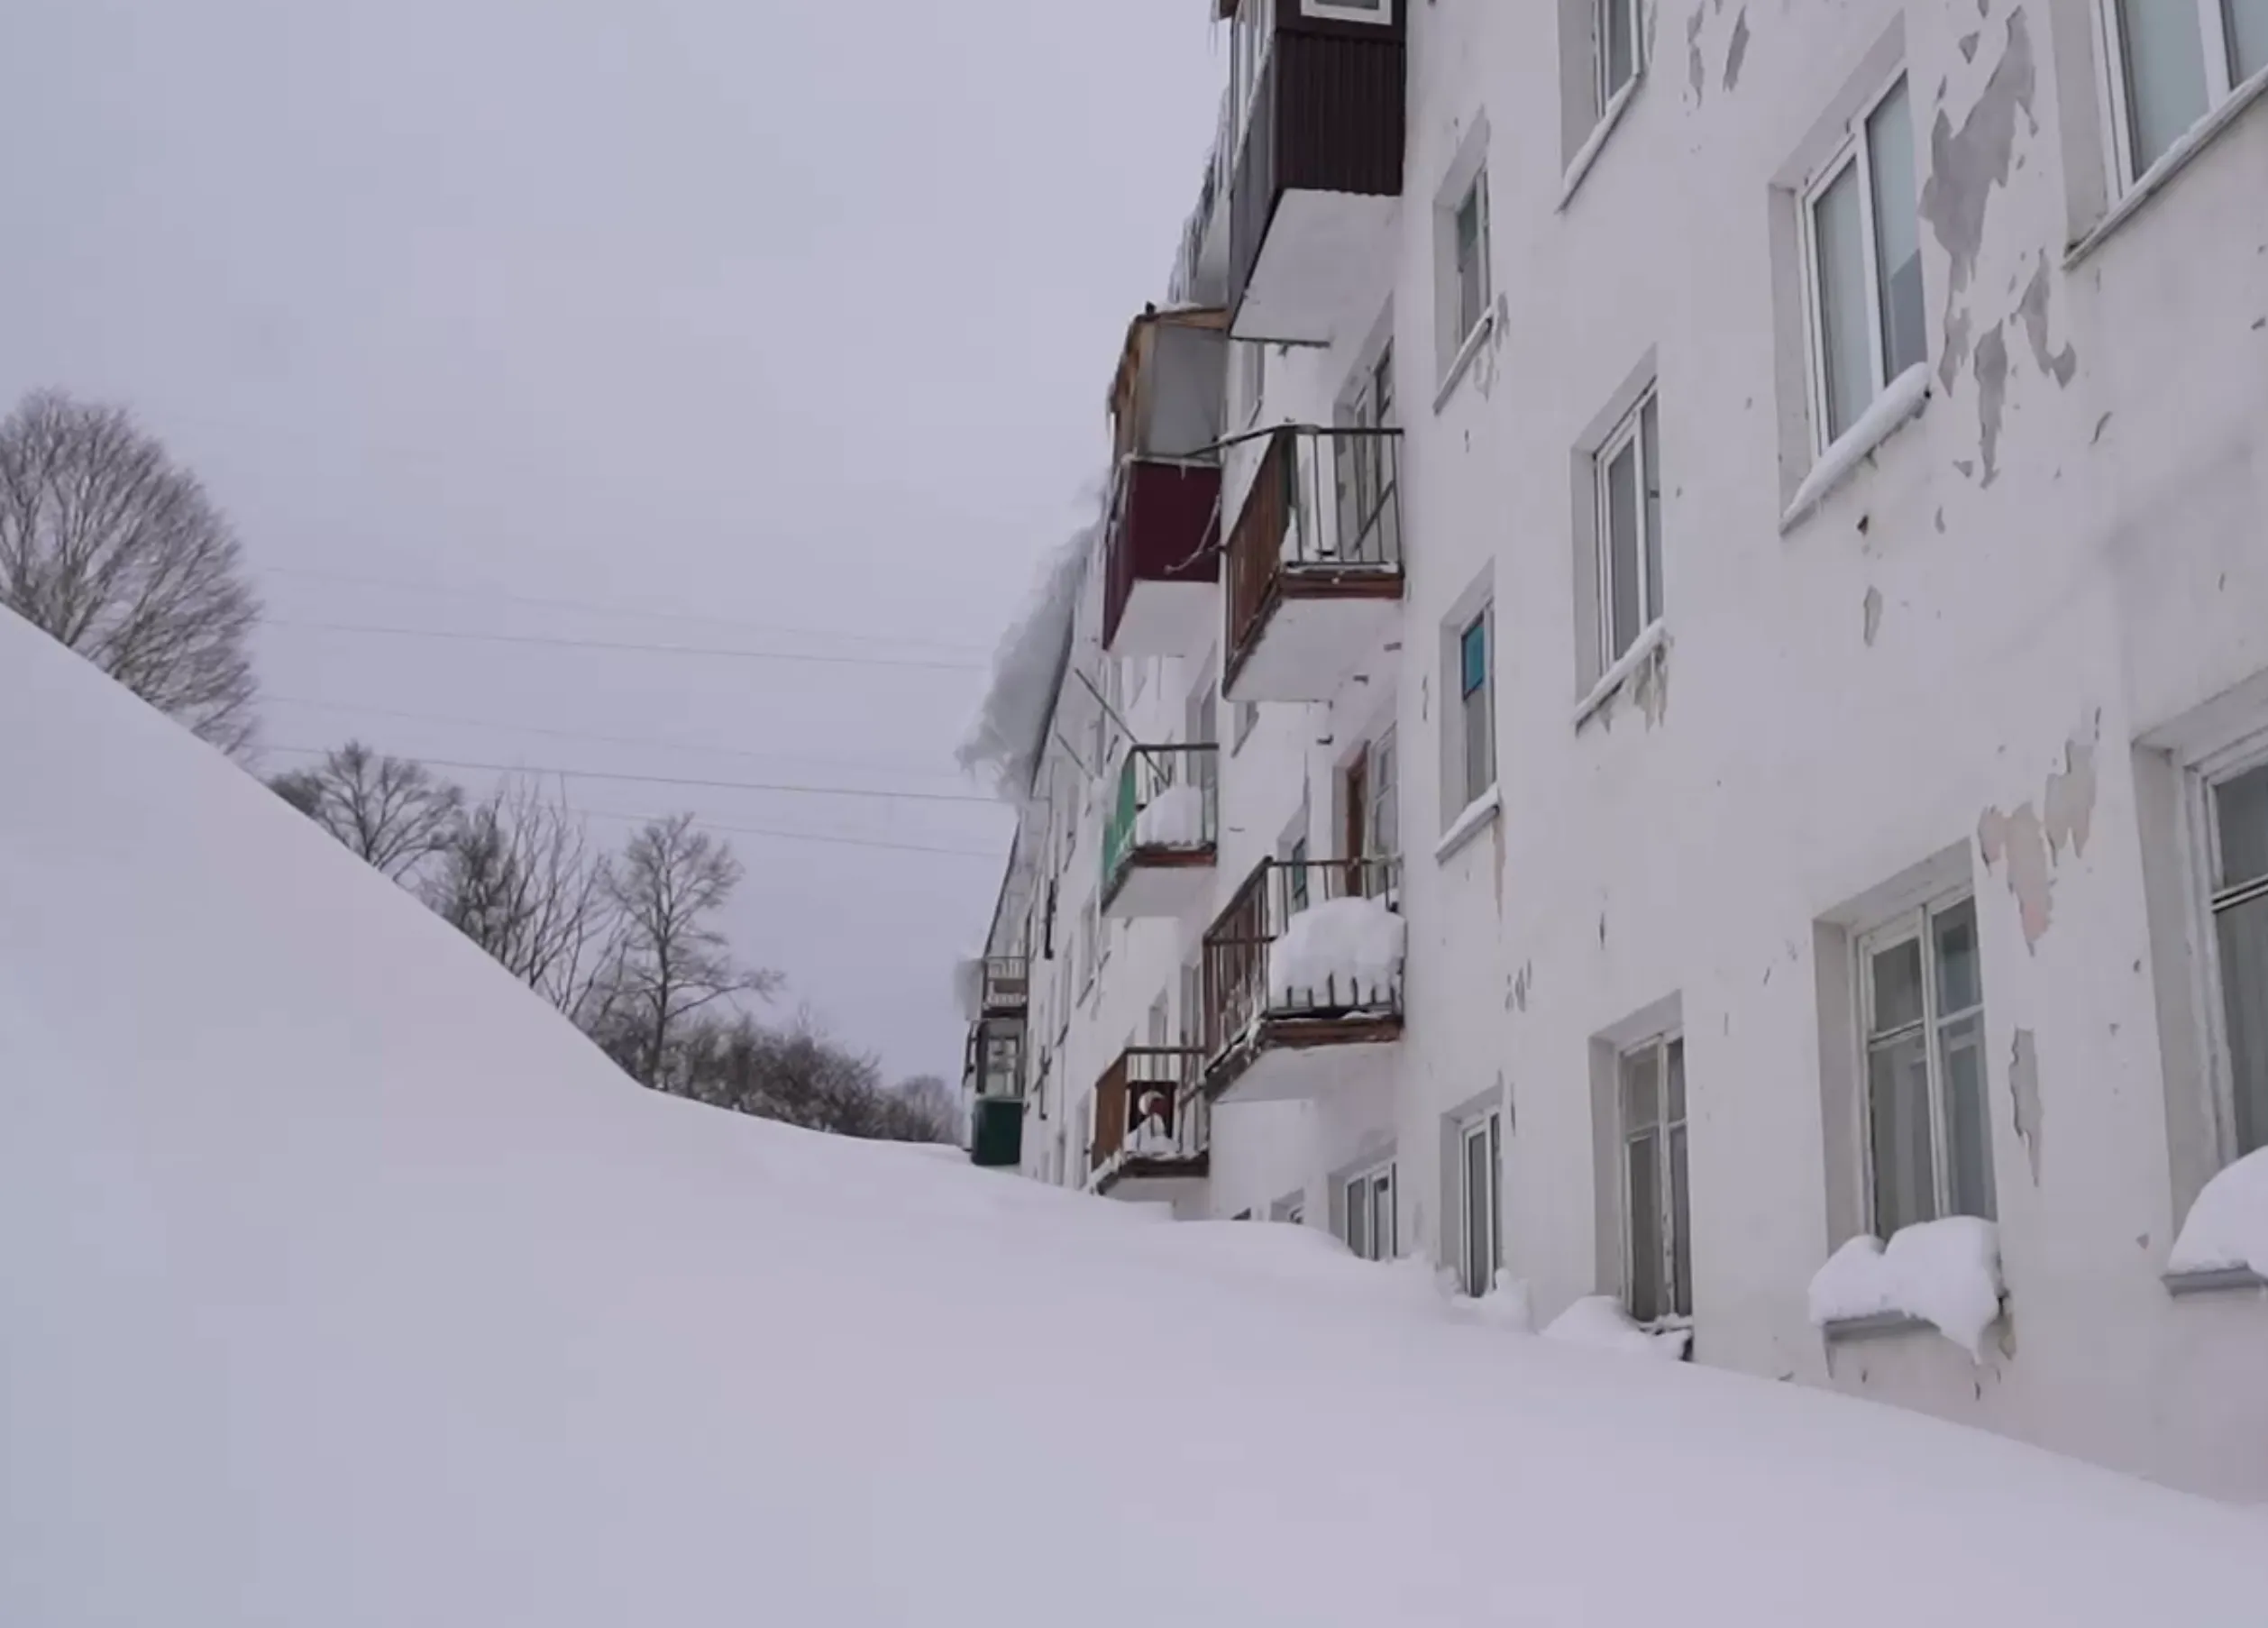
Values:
[(1007, 989), (1324, 509), (1238, 992), (1149, 1109), (1168, 801)]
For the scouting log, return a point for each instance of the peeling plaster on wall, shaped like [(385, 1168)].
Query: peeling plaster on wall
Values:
[(2031, 847), (1696, 70), (1969, 46), (1523, 985), (2101, 424), (1992, 392), (2032, 308), (1941, 519), (1738, 54), (2024, 1088), (1873, 609), (1964, 166)]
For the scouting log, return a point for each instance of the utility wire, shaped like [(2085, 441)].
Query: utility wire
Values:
[(656, 742), (599, 607), (667, 780), (848, 842), (567, 643)]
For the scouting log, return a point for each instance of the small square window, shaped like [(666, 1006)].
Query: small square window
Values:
[(1928, 1139), (1862, 251)]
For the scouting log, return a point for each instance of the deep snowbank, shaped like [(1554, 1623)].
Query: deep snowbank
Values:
[(340, 1283)]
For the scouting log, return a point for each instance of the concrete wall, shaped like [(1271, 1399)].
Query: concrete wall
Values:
[(1972, 660)]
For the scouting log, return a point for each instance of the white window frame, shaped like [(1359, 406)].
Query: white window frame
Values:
[(1366, 1182), (1475, 192), (1915, 925), (1855, 147), (1665, 1196), (1377, 12), (1381, 785), (1634, 19), (1470, 788), (2221, 82), (2205, 775), (1626, 434), (1489, 1129)]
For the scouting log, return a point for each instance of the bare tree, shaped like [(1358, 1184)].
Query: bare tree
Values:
[(117, 552), (928, 1110), (519, 877), (393, 813), (670, 884)]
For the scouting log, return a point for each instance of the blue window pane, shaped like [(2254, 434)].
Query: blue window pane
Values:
[(1475, 656)]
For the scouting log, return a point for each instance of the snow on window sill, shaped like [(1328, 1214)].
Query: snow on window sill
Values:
[(1903, 398), (1481, 811), (2213, 1280), (1593, 145), (1881, 1325), (1642, 649), (2170, 163), (1464, 358)]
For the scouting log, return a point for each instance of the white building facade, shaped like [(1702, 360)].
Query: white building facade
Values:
[(1742, 530)]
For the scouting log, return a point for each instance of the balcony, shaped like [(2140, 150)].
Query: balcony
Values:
[(1159, 847), (1318, 177), (1006, 987), (994, 1066), (1162, 563), (1314, 562), (1152, 1126), (1302, 978)]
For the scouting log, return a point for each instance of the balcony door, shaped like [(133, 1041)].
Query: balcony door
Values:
[(1364, 465)]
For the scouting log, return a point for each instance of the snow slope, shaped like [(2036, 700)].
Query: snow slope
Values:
[(341, 1284)]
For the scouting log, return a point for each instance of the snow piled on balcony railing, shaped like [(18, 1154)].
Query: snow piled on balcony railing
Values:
[(1174, 818), (1340, 952), (1005, 743), (1945, 1272), (2227, 1228)]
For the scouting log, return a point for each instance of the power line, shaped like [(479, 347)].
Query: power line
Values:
[(654, 741), (667, 780), (598, 607), (848, 842), (566, 644)]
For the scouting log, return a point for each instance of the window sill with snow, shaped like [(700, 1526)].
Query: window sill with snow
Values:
[(2224, 1244), (1642, 649), (2170, 163), (1901, 401), (1595, 142), (1943, 1273), (1462, 363), (1481, 812)]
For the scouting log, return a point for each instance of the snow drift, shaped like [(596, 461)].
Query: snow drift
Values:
[(343, 1283)]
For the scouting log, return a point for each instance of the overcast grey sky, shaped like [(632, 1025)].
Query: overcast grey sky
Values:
[(760, 310)]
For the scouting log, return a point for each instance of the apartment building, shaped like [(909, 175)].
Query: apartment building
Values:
[(1676, 673)]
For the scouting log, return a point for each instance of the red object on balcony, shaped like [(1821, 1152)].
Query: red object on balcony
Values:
[(1162, 558)]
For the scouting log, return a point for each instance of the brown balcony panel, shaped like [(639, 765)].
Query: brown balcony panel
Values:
[(1152, 1125), (1162, 568), (1317, 182), (1313, 563)]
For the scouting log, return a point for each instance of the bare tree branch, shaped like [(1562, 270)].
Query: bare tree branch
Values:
[(117, 552), (393, 813)]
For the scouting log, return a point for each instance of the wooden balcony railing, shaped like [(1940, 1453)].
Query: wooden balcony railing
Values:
[(1322, 519), (1168, 810), (1148, 1113), (1238, 946)]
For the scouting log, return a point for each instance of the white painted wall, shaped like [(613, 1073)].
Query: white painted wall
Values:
[(2105, 579)]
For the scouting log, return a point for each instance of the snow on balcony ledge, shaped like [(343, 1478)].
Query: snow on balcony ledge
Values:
[(2224, 1244), (1352, 945), (1945, 1273), (1481, 811), (1174, 818), (1903, 398)]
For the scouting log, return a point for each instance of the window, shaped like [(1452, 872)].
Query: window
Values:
[(1089, 955), (2173, 62), (1480, 1170), (1469, 257), (1614, 38), (1370, 1226), (1296, 880), (2236, 813), (1477, 739), (1365, 467), (1657, 1236), (1863, 248), (1921, 1004), (1352, 11), (1252, 374), (1628, 520), (1193, 1005), (1384, 826)]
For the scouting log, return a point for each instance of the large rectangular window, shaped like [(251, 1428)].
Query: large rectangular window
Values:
[(2236, 809), (1629, 542), (1657, 1230), (2173, 62), (1921, 996), (1862, 248), (1480, 1175)]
